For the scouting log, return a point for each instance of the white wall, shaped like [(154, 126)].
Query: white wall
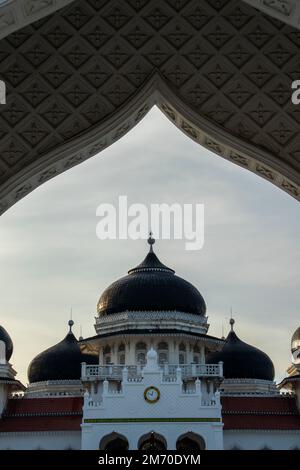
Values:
[(211, 433)]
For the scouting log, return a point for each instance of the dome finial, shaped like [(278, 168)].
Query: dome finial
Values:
[(151, 241), (231, 322), (70, 322)]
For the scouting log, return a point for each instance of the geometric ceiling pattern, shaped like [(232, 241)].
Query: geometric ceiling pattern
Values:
[(79, 79)]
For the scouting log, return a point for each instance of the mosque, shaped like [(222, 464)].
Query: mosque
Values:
[(151, 378)]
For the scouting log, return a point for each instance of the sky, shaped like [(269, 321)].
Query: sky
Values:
[(51, 259)]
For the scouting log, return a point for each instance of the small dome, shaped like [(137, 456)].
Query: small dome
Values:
[(9, 347), (295, 343), (242, 361), (151, 286), (60, 362)]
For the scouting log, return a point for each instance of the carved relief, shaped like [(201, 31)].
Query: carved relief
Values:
[(226, 90)]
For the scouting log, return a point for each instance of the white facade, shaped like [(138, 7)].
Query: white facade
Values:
[(176, 412)]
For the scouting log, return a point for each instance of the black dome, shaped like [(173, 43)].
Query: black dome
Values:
[(9, 347), (151, 286), (60, 362), (242, 361)]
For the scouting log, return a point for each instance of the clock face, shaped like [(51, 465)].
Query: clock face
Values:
[(151, 394)]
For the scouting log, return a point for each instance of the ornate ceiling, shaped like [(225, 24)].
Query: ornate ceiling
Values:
[(79, 79)]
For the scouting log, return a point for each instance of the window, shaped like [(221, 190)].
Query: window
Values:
[(182, 353), (107, 355), (121, 354), (162, 358), (196, 354), (140, 353), (163, 352), (141, 358), (122, 359)]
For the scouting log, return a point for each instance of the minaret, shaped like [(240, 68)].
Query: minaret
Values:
[(292, 382), (8, 383)]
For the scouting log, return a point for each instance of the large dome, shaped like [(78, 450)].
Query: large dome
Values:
[(60, 362), (242, 361), (4, 336), (151, 286)]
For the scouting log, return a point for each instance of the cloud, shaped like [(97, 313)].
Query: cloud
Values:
[(51, 259)]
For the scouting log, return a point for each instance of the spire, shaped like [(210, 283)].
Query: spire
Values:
[(223, 337), (80, 334), (151, 242)]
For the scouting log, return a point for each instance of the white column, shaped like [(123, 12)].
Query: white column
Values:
[(130, 352)]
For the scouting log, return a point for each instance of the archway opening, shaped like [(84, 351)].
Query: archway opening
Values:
[(153, 442), (190, 443), (114, 442)]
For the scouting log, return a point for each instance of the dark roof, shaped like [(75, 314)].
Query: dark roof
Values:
[(242, 361), (60, 362), (45, 406), (42, 414), (4, 336), (260, 413), (153, 331), (151, 286)]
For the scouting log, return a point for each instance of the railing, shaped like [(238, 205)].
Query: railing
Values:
[(134, 373)]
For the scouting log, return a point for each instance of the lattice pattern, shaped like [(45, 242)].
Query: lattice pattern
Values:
[(72, 71)]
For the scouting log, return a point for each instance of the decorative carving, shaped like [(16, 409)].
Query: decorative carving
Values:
[(21, 192), (214, 146), (70, 76), (239, 159), (46, 175), (290, 188), (265, 172), (190, 130)]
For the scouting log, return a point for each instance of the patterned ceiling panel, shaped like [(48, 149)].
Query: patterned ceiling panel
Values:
[(81, 78)]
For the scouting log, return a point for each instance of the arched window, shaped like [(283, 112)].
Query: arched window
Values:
[(190, 443), (182, 353), (163, 352), (121, 359), (196, 354), (152, 442), (140, 353), (114, 442), (121, 354), (107, 355)]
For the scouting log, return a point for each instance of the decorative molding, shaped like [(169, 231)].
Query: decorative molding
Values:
[(151, 420), (15, 14), (87, 74), (287, 11)]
